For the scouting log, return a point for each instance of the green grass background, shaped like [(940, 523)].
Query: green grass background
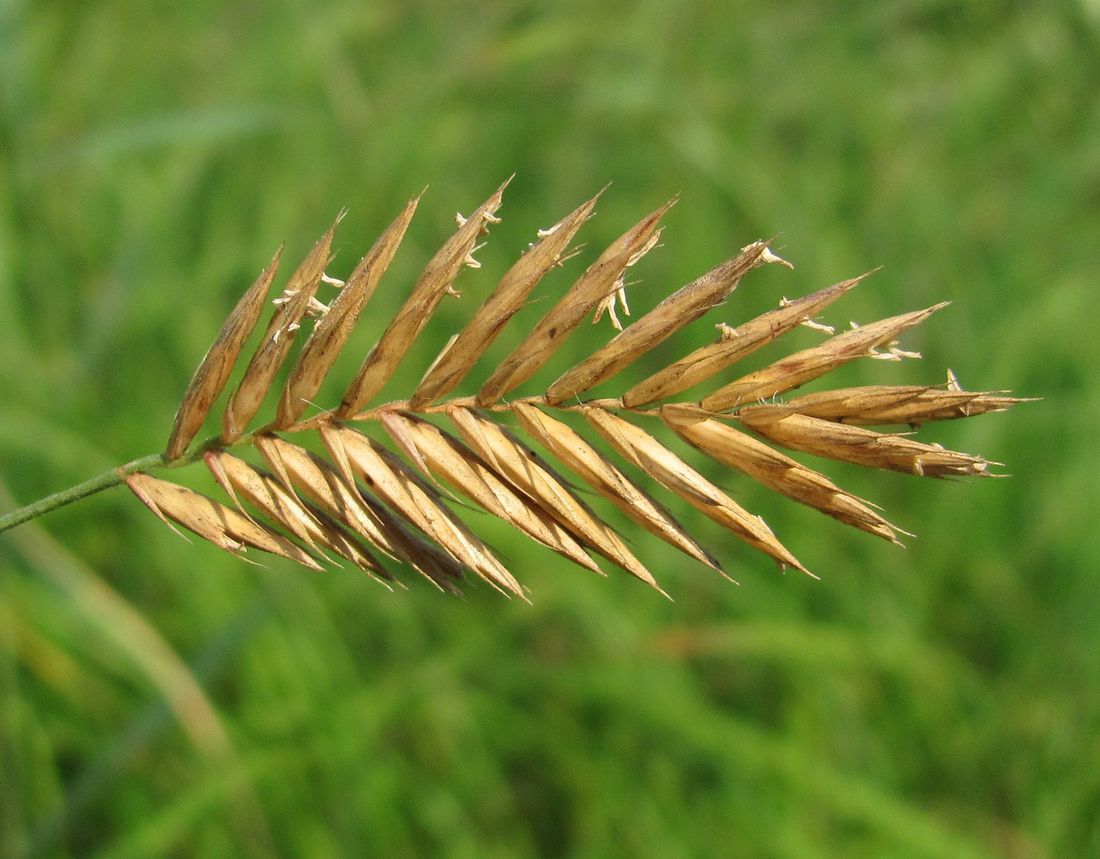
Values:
[(161, 699)]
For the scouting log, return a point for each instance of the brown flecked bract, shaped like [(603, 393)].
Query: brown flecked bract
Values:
[(304, 473), (224, 527), (439, 454), (435, 281), (867, 447), (801, 367), (682, 307), (333, 329), (278, 338), (237, 478), (344, 503), (336, 538), (505, 301), (599, 281), (527, 471), (892, 404), (272, 500), (595, 470), (215, 368), (425, 557), (774, 470), (422, 510), (657, 461), (734, 345)]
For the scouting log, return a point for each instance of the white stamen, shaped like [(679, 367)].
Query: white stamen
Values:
[(287, 295), (608, 305), (726, 332), (767, 256), (817, 326), (470, 262), (316, 309), (892, 353)]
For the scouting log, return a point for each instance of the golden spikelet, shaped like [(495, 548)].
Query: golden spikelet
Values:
[(363, 503)]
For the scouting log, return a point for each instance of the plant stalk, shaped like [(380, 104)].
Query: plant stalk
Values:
[(113, 477), (106, 480)]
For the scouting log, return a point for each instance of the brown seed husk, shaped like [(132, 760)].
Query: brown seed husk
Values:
[(425, 557), (527, 471), (237, 477), (270, 497), (734, 345), (866, 447), (773, 469), (419, 507), (506, 300), (278, 338), (685, 305), (217, 365), (595, 470), (224, 527), (438, 453), (809, 364), (434, 282), (300, 471), (333, 329), (599, 281), (657, 461), (890, 404), (324, 486)]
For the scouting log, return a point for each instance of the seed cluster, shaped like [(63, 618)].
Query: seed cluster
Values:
[(369, 506)]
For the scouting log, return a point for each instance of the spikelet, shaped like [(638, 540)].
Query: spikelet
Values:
[(377, 506)]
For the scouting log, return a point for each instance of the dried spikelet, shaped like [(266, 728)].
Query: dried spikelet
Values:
[(334, 328), (362, 501), (527, 471), (436, 280), (299, 469), (733, 345), (225, 528), (774, 470), (273, 500), (441, 455), (508, 298), (599, 473), (278, 339), (653, 458), (891, 404), (599, 281), (354, 456), (213, 372), (865, 447), (809, 364), (683, 306)]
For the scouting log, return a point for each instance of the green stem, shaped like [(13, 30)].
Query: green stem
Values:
[(82, 490), (113, 478)]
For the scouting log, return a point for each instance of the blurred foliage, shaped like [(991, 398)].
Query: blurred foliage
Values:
[(161, 699)]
